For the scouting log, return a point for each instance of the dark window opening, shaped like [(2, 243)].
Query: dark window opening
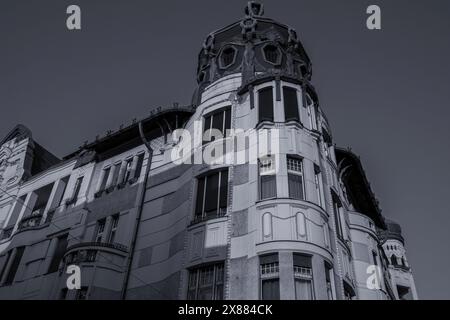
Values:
[(227, 57), (265, 104), (140, 162), (272, 54), (82, 293), (295, 178), (290, 104)]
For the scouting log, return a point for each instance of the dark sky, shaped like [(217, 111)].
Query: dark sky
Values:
[(386, 93)]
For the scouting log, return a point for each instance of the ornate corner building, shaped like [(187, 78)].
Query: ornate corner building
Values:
[(299, 224)]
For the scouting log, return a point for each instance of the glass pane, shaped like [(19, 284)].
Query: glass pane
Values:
[(290, 104), (211, 197), (268, 186), (223, 191), (295, 186), (227, 120), (271, 289), (207, 127), (303, 289), (199, 202), (218, 122), (266, 104)]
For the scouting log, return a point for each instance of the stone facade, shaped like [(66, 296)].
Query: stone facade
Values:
[(300, 222)]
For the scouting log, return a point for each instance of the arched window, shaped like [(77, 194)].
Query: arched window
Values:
[(394, 260)]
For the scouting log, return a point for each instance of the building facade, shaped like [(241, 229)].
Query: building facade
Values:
[(142, 218)]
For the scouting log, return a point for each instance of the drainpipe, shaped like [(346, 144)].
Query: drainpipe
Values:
[(139, 212)]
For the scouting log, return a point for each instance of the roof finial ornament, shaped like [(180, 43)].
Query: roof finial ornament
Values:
[(254, 9)]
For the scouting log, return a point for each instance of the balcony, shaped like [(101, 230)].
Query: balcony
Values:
[(93, 252), (31, 221)]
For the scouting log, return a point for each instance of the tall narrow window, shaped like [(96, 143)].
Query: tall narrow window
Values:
[(58, 254), (65, 181), (140, 162), (219, 120), (375, 258), (106, 172), (310, 109), (290, 104), (100, 230), (303, 277), (14, 266), (328, 279), (114, 225), (337, 218), (212, 195), (295, 178), (128, 167), (265, 97), (206, 283), (268, 182), (318, 185), (77, 189), (269, 273)]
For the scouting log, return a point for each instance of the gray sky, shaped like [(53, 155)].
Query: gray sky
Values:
[(385, 92)]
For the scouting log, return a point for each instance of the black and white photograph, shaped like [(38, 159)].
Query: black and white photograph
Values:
[(240, 151)]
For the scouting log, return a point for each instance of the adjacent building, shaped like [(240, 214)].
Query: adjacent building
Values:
[(296, 219)]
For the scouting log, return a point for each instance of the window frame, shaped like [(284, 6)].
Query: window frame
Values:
[(226, 122), (296, 173), (272, 264), (217, 267), (271, 172), (204, 177), (260, 90)]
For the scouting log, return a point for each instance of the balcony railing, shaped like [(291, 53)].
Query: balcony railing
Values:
[(88, 252), (30, 222)]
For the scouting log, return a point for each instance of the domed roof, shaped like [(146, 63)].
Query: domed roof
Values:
[(254, 46)]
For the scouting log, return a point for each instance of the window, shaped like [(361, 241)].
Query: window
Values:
[(295, 178), (328, 279), (303, 277), (337, 218), (58, 254), (140, 162), (310, 109), (219, 120), (269, 273), (272, 54), (105, 178), (268, 182), (82, 293), (206, 283), (327, 143), (318, 184), (375, 258), (394, 260), (265, 98), (114, 224), (128, 168), (100, 230), (76, 190), (227, 57), (290, 104), (212, 195), (14, 266)]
